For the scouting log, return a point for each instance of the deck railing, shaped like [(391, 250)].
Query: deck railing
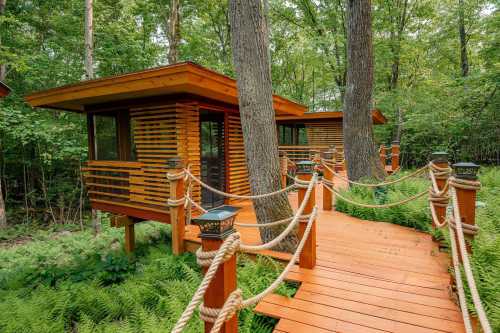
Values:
[(125, 183), (302, 153)]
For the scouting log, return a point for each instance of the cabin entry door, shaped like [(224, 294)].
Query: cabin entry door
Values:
[(212, 157)]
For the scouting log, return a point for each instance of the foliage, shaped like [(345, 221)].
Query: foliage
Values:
[(485, 247), (413, 214), (77, 282)]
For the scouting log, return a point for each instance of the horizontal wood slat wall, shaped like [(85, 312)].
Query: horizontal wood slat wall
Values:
[(238, 173), (326, 133)]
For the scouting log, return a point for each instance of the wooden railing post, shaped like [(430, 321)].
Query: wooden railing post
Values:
[(327, 178), (224, 281), (284, 168), (176, 209), (307, 259), (383, 156), (466, 197), (337, 156), (395, 155), (440, 159)]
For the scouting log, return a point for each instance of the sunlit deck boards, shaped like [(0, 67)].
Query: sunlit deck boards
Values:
[(370, 277)]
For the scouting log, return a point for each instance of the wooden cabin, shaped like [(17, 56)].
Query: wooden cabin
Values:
[(138, 121), (299, 135), (4, 90)]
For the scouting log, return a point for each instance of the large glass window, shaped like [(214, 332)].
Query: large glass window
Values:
[(106, 138), (292, 134)]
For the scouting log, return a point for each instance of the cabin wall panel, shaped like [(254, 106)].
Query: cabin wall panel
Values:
[(238, 172)]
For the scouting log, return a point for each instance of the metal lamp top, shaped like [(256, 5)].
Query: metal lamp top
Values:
[(466, 170), (217, 223), (439, 156), (305, 167)]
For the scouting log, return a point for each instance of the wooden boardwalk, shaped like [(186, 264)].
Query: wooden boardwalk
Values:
[(370, 277)]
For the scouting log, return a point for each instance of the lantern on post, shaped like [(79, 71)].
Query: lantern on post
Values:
[(215, 226), (466, 196), (305, 170)]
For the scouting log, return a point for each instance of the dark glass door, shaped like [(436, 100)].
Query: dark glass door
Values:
[(212, 157)]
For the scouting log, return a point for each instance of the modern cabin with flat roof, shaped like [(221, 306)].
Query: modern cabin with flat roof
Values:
[(299, 135), (138, 121)]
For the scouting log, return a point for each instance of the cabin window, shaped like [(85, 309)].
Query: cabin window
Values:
[(292, 134), (106, 137)]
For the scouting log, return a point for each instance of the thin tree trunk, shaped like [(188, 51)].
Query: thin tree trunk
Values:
[(250, 44), (174, 32), (89, 40), (464, 60), (89, 74), (3, 73), (360, 152)]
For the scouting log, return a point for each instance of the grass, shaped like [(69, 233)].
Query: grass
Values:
[(80, 283), (486, 245)]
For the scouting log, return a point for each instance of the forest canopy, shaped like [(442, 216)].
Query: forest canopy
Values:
[(432, 100)]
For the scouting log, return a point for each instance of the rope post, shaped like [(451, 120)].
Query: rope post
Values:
[(177, 211), (307, 258), (466, 197), (214, 230), (327, 180), (284, 167), (440, 159), (395, 155), (383, 155)]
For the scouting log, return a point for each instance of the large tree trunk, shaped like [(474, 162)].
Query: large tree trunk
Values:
[(174, 32), (3, 73), (360, 152), (89, 75), (464, 60), (250, 44)]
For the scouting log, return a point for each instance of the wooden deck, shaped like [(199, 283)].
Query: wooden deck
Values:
[(370, 277)]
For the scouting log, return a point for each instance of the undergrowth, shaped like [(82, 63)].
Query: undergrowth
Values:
[(486, 245), (79, 283)]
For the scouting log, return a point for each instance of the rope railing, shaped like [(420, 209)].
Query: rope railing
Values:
[(235, 301)]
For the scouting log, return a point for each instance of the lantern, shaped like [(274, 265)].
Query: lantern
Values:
[(217, 223)]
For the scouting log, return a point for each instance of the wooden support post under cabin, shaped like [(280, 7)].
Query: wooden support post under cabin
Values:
[(466, 198), (440, 159), (308, 256), (224, 281), (284, 168), (327, 177), (395, 155), (383, 156), (127, 222), (176, 209)]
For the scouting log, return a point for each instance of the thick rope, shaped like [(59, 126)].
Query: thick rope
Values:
[(290, 227), (235, 302), (238, 196), (388, 205), (476, 299), (413, 174), (212, 269)]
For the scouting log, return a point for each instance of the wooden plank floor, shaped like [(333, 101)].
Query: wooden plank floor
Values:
[(370, 277)]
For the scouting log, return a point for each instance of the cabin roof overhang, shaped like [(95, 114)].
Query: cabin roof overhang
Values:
[(179, 79), (378, 117), (4, 89)]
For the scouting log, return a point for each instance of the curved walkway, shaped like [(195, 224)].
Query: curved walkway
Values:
[(370, 277)]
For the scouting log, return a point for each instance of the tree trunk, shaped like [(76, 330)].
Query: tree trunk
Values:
[(464, 60), (174, 32), (89, 75), (89, 40), (360, 152), (250, 43), (3, 73)]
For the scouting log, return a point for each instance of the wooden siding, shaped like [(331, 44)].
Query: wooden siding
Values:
[(238, 173), (325, 133)]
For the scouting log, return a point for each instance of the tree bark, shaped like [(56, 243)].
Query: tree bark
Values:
[(360, 152), (174, 32), (3, 73), (464, 60), (89, 75), (250, 43)]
